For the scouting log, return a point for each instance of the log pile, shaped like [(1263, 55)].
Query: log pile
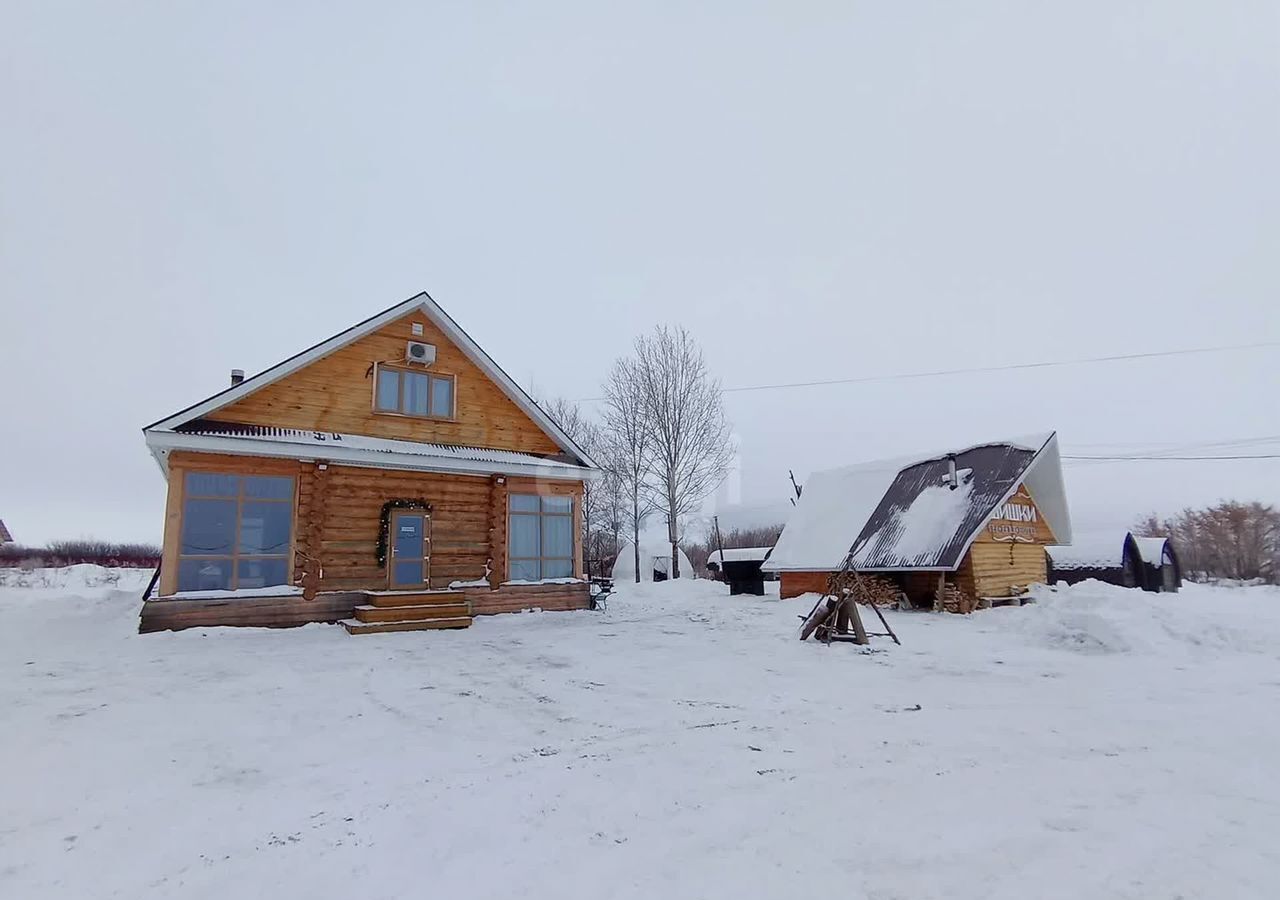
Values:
[(877, 591), (955, 600)]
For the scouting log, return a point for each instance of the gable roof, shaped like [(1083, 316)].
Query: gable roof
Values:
[(899, 514), (419, 302), (5, 536)]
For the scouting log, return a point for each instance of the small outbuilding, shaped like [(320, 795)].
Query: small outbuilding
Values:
[(956, 529), (5, 536), (739, 567), (1149, 563), (655, 562)]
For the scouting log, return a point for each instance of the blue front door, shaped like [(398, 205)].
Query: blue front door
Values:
[(410, 549)]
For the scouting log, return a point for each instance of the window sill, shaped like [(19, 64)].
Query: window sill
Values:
[(413, 416)]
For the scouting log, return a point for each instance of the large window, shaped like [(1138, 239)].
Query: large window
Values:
[(236, 531), (411, 393), (541, 537)]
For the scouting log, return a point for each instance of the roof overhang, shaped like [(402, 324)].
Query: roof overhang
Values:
[(162, 443), (432, 311)]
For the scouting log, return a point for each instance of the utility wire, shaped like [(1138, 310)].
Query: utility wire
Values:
[(1173, 458), (937, 373)]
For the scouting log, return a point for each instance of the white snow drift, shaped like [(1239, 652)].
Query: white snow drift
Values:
[(1101, 743)]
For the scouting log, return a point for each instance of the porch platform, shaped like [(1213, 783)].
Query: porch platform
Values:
[(380, 608)]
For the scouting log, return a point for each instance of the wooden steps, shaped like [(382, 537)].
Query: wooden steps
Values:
[(355, 626), (410, 611)]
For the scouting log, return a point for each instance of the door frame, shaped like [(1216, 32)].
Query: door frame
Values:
[(425, 514)]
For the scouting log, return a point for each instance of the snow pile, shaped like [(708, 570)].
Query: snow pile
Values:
[(1098, 618), (1100, 743), (929, 522), (71, 579)]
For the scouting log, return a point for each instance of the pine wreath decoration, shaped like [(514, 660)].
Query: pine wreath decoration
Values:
[(384, 524)]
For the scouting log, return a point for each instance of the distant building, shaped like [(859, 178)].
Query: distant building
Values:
[(5, 536), (1150, 563)]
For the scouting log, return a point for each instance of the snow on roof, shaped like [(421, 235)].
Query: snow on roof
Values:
[(739, 554), (1094, 551), (355, 448), (419, 302), (900, 514), (1151, 549)]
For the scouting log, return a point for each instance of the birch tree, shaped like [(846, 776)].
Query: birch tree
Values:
[(627, 446), (683, 412)]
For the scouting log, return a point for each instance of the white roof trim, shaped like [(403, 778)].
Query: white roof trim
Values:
[(162, 442), (437, 315)]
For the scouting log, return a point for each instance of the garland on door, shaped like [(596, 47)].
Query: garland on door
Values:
[(384, 524)]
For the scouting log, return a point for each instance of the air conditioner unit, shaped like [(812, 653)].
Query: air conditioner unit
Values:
[(420, 353)]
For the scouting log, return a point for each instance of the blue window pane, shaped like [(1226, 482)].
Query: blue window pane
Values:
[(557, 536), (557, 568), (388, 389), (408, 572), (415, 393), (524, 503), (208, 527), (557, 504), (204, 574), (264, 528), (407, 540), (524, 536), (256, 573), (524, 570), (269, 487), (210, 484), (442, 397)]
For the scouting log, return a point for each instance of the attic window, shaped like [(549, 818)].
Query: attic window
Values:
[(408, 392)]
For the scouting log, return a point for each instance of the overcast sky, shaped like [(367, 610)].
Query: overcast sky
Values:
[(815, 190)]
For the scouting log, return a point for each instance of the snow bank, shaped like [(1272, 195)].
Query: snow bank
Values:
[(1096, 618), (70, 579)]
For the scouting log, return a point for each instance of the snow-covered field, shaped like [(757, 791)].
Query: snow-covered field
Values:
[(1101, 743)]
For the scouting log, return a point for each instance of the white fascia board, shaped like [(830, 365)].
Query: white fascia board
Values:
[(437, 315), (1050, 441), (161, 442)]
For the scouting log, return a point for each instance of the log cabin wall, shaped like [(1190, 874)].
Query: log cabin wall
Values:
[(335, 394), (994, 569), (348, 536), (338, 511)]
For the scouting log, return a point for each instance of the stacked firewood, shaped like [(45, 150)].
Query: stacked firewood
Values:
[(955, 600), (875, 591)]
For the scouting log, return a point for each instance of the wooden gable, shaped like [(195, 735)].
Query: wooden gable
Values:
[(1017, 520), (335, 394)]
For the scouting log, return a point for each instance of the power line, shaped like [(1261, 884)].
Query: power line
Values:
[(937, 373), (1173, 458), (1005, 368)]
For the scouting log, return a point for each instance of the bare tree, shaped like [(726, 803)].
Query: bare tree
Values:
[(684, 413), (627, 446), (599, 495), (1228, 540)]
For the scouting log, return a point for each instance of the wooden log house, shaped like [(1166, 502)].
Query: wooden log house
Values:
[(955, 530), (392, 477)]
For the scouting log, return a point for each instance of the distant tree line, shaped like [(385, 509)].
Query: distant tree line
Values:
[(663, 444), (73, 553), (1227, 540)]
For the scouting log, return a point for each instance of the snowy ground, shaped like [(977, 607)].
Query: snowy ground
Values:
[(1102, 743)]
